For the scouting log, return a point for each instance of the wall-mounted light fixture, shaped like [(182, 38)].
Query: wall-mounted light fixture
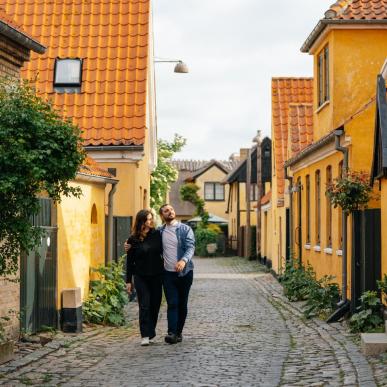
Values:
[(180, 68)]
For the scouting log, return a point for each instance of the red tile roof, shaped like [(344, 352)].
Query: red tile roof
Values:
[(112, 37), (90, 167), (285, 91), (358, 10), (300, 127)]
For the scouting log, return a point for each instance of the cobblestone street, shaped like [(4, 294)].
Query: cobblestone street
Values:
[(240, 331)]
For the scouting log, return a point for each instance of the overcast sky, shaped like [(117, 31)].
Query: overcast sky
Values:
[(232, 49)]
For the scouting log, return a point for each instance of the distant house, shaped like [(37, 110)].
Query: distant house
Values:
[(15, 48), (236, 200), (208, 176)]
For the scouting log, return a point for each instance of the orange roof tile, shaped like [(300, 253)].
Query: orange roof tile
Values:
[(358, 10), (90, 167), (286, 91), (112, 38), (300, 127)]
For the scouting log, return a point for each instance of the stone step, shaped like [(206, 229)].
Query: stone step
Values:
[(373, 343)]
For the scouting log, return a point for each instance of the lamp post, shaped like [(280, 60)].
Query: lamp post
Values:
[(180, 68)]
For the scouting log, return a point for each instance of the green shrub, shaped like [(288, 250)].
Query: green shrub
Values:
[(108, 296), (367, 318), (323, 296), (382, 286), (296, 281), (203, 237)]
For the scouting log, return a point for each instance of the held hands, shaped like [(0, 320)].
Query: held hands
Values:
[(127, 246), (129, 288), (180, 266)]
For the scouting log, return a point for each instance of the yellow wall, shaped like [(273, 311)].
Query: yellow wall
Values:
[(233, 211), (213, 175), (356, 57), (81, 244)]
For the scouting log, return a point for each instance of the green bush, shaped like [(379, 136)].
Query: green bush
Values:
[(108, 296), (323, 296), (367, 318), (382, 286), (296, 281), (203, 237), (300, 284)]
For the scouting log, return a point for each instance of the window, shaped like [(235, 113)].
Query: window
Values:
[(340, 213), (253, 192), (112, 171), (323, 76), (68, 75), (213, 191), (318, 207), (307, 209), (329, 209)]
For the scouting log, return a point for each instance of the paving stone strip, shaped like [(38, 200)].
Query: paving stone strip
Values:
[(241, 331)]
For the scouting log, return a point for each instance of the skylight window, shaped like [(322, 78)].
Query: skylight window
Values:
[(68, 74)]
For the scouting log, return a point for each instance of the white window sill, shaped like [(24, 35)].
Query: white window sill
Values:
[(328, 250), (339, 252), (317, 248), (307, 246)]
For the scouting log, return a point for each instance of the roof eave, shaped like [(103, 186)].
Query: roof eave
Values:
[(21, 38), (323, 23)]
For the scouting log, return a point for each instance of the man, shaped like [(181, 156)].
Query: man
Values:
[(178, 249)]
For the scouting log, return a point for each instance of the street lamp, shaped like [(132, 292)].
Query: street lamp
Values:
[(180, 68)]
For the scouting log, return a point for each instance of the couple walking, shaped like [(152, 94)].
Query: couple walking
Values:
[(158, 258)]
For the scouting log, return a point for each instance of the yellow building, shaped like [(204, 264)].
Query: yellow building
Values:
[(349, 48), (237, 202), (99, 71), (208, 176)]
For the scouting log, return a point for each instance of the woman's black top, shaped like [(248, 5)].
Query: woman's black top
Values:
[(145, 257)]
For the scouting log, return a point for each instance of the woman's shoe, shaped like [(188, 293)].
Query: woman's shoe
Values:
[(145, 341)]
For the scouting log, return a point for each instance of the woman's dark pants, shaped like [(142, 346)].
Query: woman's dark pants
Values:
[(176, 291), (149, 292)]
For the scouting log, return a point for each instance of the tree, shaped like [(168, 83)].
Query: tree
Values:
[(165, 173), (39, 153), (189, 193)]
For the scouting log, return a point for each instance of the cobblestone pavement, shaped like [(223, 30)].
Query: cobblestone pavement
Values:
[(240, 331)]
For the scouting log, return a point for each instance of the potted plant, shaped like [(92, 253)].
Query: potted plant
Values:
[(350, 192)]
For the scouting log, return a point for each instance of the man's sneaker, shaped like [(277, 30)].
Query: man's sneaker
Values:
[(145, 341), (171, 338), (179, 337)]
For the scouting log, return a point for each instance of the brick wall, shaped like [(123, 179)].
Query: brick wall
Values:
[(12, 57)]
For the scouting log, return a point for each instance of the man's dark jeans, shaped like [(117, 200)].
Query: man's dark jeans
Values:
[(176, 292), (149, 293)]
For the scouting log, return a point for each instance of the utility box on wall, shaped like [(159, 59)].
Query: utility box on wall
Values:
[(71, 316)]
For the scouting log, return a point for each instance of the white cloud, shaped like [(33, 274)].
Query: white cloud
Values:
[(233, 48)]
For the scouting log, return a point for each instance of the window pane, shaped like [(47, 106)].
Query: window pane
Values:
[(320, 80), (209, 191), (219, 191), (326, 73), (68, 72)]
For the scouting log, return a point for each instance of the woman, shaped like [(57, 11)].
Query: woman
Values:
[(145, 266)]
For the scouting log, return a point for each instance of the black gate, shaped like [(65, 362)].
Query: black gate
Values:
[(366, 253), (38, 276), (122, 226)]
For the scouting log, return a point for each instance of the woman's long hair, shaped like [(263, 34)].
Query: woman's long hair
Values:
[(138, 230)]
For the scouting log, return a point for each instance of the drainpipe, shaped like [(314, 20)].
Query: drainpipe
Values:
[(290, 178), (338, 147), (109, 257)]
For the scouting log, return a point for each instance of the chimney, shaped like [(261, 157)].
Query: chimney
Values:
[(243, 153)]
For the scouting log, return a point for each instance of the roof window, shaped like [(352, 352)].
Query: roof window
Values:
[(68, 75)]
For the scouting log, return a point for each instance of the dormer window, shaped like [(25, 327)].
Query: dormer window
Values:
[(68, 75), (323, 76)]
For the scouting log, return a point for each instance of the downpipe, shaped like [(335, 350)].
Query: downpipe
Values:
[(290, 179), (343, 305), (113, 190)]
